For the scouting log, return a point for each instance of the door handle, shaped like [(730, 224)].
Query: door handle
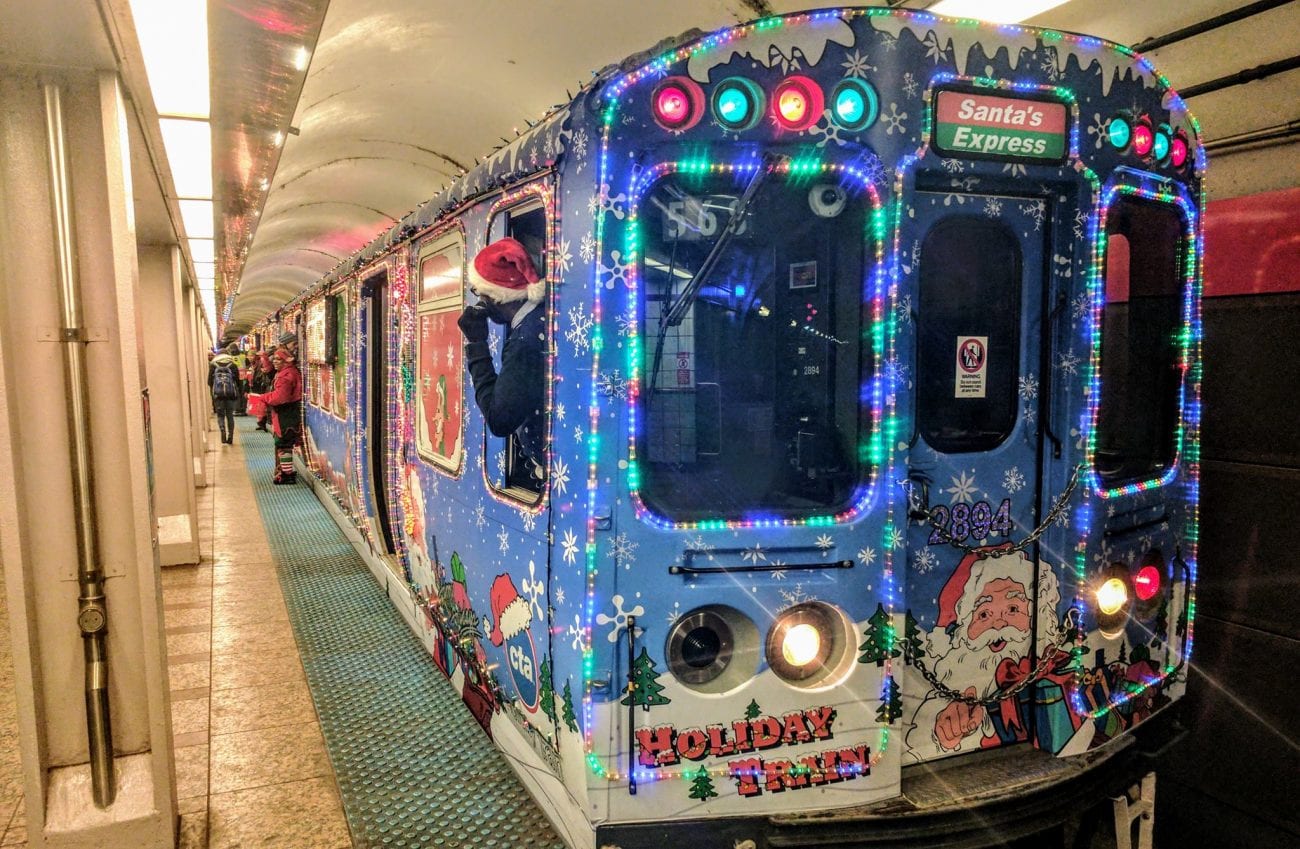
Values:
[(918, 496)]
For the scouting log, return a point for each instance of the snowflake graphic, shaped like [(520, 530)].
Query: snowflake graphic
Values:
[(924, 560), (1068, 362), (503, 540), (909, 84), (794, 596), (1080, 223), (559, 595), (1030, 413), (959, 187), (753, 555), (560, 412), (897, 373), (827, 130), (1098, 128), (494, 343), (953, 166), (578, 433), (896, 538), (616, 271), (992, 207), (1029, 387), (559, 476), (501, 463), (619, 619), (579, 332), (1050, 65), (626, 323), (903, 314), (963, 488), (624, 549), (587, 248), (570, 543), (1012, 480), (563, 257), (578, 144), (779, 574), (574, 633), (612, 384), (674, 614), (855, 65), (894, 120), (866, 556), (1015, 169), (530, 521), (933, 50), (698, 543), (602, 202), (825, 543), (1081, 306), (479, 518), (1037, 212), (534, 590)]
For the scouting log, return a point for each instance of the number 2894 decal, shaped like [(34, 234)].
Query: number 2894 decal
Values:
[(969, 521)]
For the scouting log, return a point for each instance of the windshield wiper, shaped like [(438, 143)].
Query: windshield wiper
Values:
[(677, 313)]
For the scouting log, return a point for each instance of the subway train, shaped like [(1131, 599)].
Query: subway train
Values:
[(868, 511)]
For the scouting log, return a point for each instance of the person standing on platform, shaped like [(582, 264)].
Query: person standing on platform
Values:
[(263, 379), (223, 383), (284, 401)]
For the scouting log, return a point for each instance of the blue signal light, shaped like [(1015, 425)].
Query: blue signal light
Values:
[(1119, 132), (854, 104), (737, 104), (1160, 148)]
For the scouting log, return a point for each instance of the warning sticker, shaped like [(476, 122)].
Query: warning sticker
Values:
[(972, 366)]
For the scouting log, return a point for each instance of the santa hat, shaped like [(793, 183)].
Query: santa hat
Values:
[(510, 613), (504, 272), (955, 588)]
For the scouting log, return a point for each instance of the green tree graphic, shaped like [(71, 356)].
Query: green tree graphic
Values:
[(570, 719), (548, 693), (879, 643), (644, 689), (702, 785), (913, 646), (752, 711), (891, 704)]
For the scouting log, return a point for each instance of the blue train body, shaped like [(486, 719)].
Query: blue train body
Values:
[(873, 407)]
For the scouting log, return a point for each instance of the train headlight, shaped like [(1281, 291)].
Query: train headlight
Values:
[(677, 103), (712, 649), (807, 644), (799, 103), (1112, 595), (737, 104)]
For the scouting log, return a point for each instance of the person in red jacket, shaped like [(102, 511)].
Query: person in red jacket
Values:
[(284, 401)]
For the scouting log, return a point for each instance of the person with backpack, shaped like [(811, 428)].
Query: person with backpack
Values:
[(223, 381)]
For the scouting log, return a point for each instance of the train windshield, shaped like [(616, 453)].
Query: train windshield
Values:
[(753, 352)]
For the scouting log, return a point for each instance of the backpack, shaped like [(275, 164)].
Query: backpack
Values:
[(223, 384)]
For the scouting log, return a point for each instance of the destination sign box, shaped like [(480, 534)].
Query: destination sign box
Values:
[(1001, 127)]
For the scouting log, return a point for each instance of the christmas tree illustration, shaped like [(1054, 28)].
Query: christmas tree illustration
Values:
[(891, 704), (752, 711), (913, 647), (1162, 619), (702, 786), (548, 692), (879, 643), (644, 689), (569, 718)]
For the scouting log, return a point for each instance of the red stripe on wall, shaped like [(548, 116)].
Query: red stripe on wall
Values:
[(1252, 244)]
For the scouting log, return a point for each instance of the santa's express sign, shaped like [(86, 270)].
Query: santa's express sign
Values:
[(1004, 127)]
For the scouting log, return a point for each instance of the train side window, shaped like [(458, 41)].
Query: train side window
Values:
[(440, 384), (340, 353), (1141, 324), (509, 469), (968, 311)]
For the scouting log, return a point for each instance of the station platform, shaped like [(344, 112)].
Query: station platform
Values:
[(304, 711)]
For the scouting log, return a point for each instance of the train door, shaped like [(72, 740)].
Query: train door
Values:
[(374, 302), (978, 290)]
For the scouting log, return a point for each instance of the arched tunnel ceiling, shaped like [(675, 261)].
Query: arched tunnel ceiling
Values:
[(400, 95)]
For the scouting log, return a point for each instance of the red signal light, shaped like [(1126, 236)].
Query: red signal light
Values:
[(1146, 583), (677, 103), (1178, 150), (1143, 138), (798, 103)]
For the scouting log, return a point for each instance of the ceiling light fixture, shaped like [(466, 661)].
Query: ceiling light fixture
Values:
[(996, 11)]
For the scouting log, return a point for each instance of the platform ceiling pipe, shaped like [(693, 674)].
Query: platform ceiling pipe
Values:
[(92, 613)]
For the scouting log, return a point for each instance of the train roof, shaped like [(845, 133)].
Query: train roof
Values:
[(542, 145)]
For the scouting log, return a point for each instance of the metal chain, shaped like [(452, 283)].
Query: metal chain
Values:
[(998, 695)]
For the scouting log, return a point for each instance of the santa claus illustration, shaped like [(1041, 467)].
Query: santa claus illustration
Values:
[(981, 648)]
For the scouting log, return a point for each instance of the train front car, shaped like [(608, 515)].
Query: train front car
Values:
[(892, 443)]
